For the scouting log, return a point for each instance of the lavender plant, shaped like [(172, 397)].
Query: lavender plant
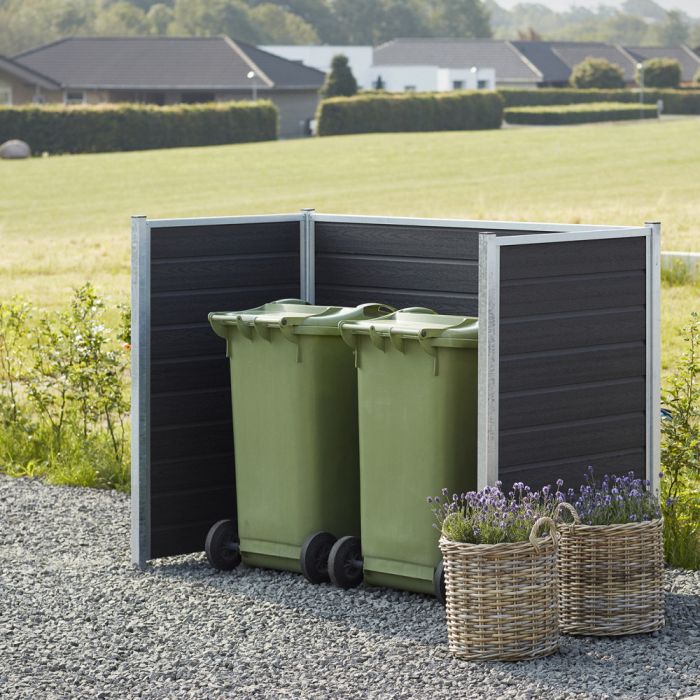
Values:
[(491, 516), (614, 499)]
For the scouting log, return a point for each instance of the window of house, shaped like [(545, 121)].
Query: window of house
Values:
[(5, 94), (410, 88), (482, 84), (74, 97), (458, 85)]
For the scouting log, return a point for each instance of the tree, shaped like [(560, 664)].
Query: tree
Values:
[(214, 17), (597, 73), (122, 18), (340, 82), (160, 17), (278, 26), (674, 31), (460, 18), (660, 73)]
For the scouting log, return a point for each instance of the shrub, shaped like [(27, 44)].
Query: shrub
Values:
[(578, 114), (675, 101), (416, 112), (130, 127), (696, 78), (63, 399), (340, 82), (597, 73), (660, 73), (680, 456)]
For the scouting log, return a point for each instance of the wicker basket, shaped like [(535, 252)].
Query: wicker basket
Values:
[(502, 598), (610, 577)]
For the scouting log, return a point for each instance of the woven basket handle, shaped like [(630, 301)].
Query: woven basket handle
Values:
[(539, 523), (566, 506)]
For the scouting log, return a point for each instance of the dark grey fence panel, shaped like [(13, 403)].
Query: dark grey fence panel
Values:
[(399, 264), (194, 270), (572, 368)]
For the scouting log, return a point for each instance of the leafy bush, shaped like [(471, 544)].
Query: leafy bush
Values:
[(63, 399), (130, 127), (414, 112), (675, 101), (490, 516), (660, 73), (579, 114), (597, 73), (340, 82), (680, 456)]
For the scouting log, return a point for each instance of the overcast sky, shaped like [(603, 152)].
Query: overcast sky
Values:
[(692, 7)]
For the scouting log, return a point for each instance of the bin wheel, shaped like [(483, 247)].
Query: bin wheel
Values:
[(221, 546), (314, 556), (345, 562), (439, 582)]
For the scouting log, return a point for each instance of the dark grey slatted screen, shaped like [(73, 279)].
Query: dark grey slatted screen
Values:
[(572, 360), (401, 265), (195, 270)]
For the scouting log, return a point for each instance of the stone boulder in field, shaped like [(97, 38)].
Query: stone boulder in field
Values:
[(15, 149)]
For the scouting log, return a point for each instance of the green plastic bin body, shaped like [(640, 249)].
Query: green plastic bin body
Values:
[(417, 388), (294, 390)]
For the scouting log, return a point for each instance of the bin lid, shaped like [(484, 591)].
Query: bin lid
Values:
[(295, 315), (416, 323)]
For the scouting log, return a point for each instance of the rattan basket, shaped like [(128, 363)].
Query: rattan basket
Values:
[(501, 599), (610, 577)]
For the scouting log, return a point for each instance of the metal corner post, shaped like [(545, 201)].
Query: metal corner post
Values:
[(307, 254), (489, 320), (140, 390), (654, 353)]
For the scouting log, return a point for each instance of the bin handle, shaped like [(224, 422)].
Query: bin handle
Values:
[(539, 524), (376, 309), (287, 331), (351, 340), (244, 328), (424, 341)]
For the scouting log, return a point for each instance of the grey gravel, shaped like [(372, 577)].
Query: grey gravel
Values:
[(78, 621)]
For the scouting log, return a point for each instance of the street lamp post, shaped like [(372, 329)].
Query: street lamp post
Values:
[(251, 77)]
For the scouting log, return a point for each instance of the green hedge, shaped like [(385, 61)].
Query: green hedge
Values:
[(675, 101), (579, 114), (413, 112), (132, 127)]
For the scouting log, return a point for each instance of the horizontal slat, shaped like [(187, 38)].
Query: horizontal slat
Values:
[(190, 341), (170, 308), (187, 241), (406, 274), (183, 275), (414, 241), (210, 372), (576, 366), (182, 408), (186, 538), (573, 258), (191, 441), (192, 473), (572, 470), (571, 403), (191, 505), (574, 293), (567, 440), (519, 336), (466, 304)]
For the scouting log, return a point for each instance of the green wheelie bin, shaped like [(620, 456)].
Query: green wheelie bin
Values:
[(294, 390), (417, 407)]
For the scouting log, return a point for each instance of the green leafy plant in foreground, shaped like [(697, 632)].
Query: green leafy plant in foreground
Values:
[(680, 456), (63, 399)]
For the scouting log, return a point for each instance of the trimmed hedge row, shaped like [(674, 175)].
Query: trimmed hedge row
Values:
[(414, 112), (132, 127), (579, 114), (675, 101)]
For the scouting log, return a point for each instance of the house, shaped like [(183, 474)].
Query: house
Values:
[(163, 71), (689, 60), (435, 64)]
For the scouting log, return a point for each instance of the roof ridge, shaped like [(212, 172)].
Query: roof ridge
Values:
[(247, 59), (525, 59), (40, 48)]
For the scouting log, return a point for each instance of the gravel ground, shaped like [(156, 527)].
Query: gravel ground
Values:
[(77, 620)]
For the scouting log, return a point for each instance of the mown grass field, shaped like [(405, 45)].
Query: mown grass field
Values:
[(65, 220)]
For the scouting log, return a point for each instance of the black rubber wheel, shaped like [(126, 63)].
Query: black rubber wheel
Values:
[(345, 562), (439, 582), (221, 546), (314, 556)]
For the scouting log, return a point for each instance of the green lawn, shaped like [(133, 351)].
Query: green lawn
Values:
[(66, 219)]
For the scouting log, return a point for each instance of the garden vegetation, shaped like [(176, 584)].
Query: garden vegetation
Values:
[(579, 114)]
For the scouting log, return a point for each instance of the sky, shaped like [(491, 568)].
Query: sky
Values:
[(692, 7)]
